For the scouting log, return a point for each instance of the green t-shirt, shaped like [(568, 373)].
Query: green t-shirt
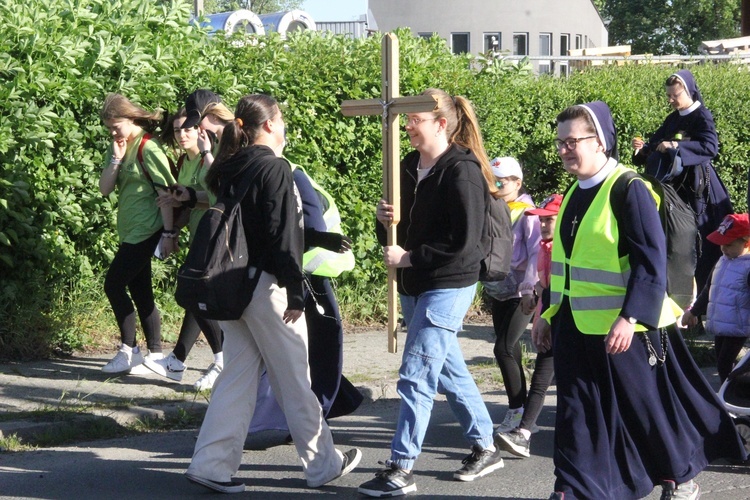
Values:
[(193, 174), (138, 217)]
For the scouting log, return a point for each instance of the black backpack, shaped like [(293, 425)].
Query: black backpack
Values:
[(216, 281), (497, 240), (681, 230)]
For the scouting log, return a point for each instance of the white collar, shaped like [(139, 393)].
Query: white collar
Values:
[(599, 177), (693, 107)]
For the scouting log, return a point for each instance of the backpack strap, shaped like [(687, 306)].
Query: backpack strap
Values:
[(146, 137), (619, 191)]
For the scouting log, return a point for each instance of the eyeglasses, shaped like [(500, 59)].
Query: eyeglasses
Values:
[(570, 144), (413, 122), (673, 97)]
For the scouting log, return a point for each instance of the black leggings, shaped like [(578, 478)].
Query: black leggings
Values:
[(544, 370), (131, 270), (510, 323), (727, 349), (192, 326)]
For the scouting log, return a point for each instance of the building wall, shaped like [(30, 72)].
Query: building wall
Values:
[(478, 18)]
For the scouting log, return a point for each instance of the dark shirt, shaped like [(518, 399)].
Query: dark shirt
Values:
[(441, 223)]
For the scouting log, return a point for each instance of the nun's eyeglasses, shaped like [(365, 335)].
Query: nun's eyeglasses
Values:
[(673, 97), (571, 143)]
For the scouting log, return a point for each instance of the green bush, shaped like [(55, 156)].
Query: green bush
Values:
[(59, 58)]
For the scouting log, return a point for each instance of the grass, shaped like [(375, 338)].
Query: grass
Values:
[(76, 425)]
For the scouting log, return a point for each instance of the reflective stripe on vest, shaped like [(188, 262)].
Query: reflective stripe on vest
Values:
[(598, 279), (317, 260)]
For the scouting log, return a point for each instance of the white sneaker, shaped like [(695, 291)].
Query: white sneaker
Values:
[(123, 361), (206, 382), (511, 421), (142, 369), (169, 367)]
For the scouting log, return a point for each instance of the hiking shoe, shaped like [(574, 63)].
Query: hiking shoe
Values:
[(685, 491), (513, 442), (392, 481), (169, 367), (221, 487), (124, 361), (142, 369), (478, 463), (511, 421), (206, 382)]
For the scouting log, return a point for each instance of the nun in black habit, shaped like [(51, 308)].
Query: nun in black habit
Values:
[(336, 394), (680, 153), (633, 409)]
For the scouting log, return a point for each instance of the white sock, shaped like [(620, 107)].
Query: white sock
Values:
[(128, 349), (491, 448), (525, 432), (219, 359)]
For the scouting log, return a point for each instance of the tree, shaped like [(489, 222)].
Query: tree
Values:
[(670, 27), (256, 6)]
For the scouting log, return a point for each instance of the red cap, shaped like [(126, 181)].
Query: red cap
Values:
[(734, 226), (550, 206)]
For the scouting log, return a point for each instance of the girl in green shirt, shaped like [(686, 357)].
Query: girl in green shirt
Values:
[(136, 166)]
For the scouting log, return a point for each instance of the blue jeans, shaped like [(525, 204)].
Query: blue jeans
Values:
[(432, 362)]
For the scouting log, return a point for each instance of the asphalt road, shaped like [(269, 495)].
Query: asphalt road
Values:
[(152, 465)]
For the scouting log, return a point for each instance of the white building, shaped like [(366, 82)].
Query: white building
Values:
[(535, 28)]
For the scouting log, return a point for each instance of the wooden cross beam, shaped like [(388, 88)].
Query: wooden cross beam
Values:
[(389, 107)]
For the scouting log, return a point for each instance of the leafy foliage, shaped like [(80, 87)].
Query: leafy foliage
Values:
[(59, 58), (675, 27), (256, 6)]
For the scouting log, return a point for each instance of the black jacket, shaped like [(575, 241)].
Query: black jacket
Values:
[(441, 222), (271, 216)]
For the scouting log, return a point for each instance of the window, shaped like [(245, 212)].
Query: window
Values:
[(579, 41), (520, 44), (425, 35), (545, 49), (564, 47), (493, 42), (460, 43)]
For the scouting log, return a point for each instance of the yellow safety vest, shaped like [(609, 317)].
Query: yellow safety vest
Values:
[(319, 261), (598, 277)]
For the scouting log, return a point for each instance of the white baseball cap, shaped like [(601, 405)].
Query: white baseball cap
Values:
[(506, 166)]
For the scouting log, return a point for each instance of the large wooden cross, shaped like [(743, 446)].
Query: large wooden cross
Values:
[(389, 107)]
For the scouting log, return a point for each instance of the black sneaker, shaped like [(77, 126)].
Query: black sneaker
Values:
[(221, 487), (349, 462), (390, 482), (513, 442), (478, 463)]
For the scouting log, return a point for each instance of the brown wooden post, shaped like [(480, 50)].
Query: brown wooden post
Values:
[(389, 107), (745, 20)]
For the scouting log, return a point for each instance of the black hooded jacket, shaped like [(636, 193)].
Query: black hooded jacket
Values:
[(271, 216), (441, 222)]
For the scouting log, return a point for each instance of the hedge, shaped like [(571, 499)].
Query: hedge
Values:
[(59, 58)]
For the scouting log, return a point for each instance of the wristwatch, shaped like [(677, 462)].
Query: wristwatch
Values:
[(632, 320), (205, 152)]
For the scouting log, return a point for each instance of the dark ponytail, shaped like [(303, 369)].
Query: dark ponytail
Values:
[(252, 112)]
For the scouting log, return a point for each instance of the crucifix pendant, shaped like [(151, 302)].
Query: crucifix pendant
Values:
[(575, 222)]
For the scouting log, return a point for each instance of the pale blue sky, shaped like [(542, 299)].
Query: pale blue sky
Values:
[(335, 10)]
